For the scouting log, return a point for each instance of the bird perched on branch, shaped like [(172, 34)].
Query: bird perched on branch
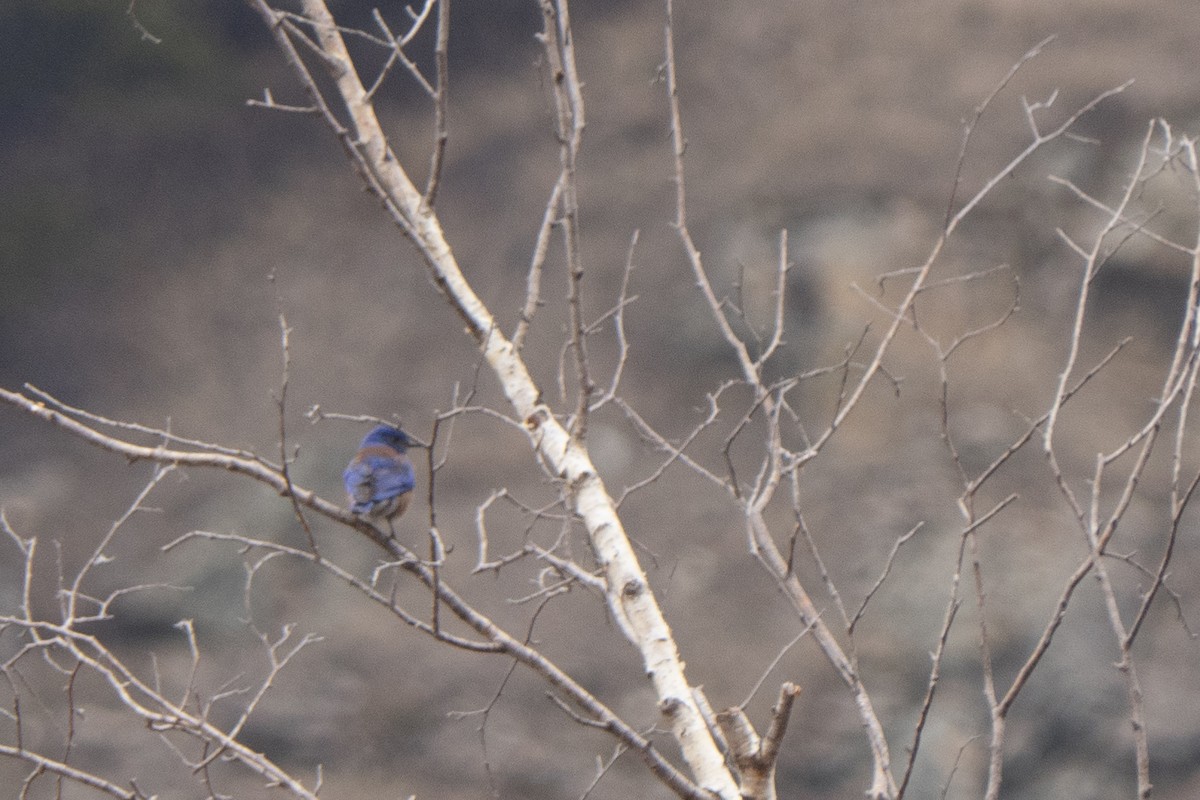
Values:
[(379, 479)]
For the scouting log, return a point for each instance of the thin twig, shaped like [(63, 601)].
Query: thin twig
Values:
[(441, 93)]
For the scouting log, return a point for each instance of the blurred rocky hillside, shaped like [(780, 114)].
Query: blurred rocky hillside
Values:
[(145, 206)]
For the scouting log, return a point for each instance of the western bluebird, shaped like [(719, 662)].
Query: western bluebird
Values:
[(380, 479)]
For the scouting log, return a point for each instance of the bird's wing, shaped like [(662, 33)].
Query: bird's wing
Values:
[(378, 478), (393, 477), (360, 486)]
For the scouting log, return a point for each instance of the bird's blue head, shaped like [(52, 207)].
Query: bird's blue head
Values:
[(387, 436)]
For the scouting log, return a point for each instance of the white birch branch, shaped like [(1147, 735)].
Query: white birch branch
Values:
[(631, 602)]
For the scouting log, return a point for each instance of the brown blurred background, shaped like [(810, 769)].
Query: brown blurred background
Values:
[(144, 206)]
